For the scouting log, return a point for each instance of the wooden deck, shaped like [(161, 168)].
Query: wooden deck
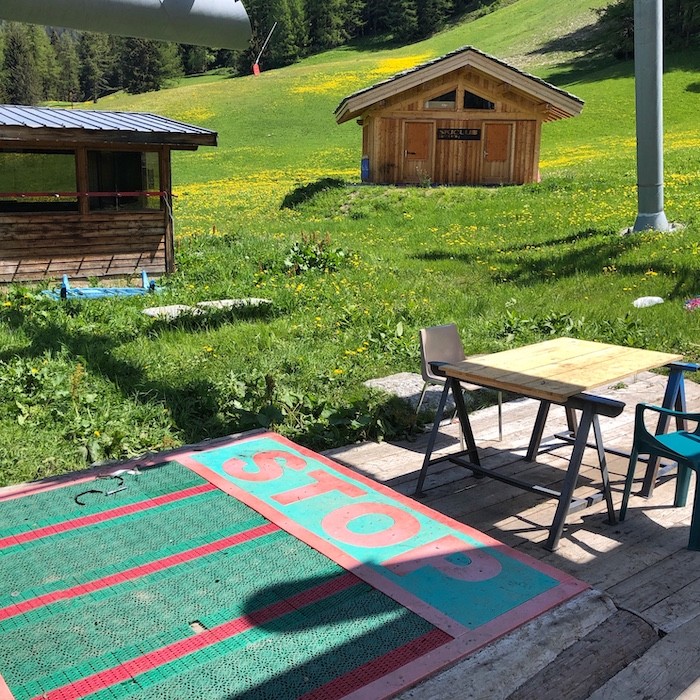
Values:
[(637, 632)]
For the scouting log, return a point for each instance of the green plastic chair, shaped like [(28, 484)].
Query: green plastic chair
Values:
[(681, 446)]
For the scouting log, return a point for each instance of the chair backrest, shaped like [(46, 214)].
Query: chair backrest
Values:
[(439, 344)]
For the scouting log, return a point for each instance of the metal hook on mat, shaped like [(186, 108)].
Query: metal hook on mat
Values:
[(85, 493), (120, 487)]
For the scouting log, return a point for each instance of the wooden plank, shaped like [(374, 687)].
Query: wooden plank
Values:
[(630, 560), (83, 268), (678, 608), (549, 357), (587, 664), (557, 369), (166, 185), (668, 671), (497, 670), (75, 247), (33, 264), (68, 217), (90, 237), (654, 584)]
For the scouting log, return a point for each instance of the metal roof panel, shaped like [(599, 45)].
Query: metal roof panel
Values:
[(98, 121)]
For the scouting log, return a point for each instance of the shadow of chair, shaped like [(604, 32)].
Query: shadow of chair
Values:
[(443, 344), (681, 446)]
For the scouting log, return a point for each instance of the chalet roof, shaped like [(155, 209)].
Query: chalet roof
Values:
[(557, 103), (49, 124)]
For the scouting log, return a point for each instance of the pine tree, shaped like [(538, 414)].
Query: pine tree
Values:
[(374, 17), (44, 60), (299, 28), (401, 19), (195, 59), (261, 22), (353, 17), (21, 82), (147, 65), (283, 48), (432, 15), (96, 59), (2, 62), (326, 23), (68, 63)]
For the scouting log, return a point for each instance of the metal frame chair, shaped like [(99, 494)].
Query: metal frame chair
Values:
[(681, 446), (443, 344)]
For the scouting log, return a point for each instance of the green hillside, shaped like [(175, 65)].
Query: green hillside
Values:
[(354, 271), (283, 119)]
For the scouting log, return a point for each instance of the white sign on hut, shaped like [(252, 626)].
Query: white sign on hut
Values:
[(466, 118)]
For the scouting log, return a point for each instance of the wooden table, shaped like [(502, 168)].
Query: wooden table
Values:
[(554, 371)]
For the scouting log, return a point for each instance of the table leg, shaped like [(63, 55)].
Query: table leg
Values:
[(463, 416), (570, 480), (674, 397), (454, 386), (612, 519), (537, 431), (571, 422), (431, 440)]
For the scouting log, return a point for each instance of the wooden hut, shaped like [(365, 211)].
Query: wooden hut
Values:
[(466, 118), (87, 193)]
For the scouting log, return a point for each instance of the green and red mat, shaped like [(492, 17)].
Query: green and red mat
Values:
[(252, 568)]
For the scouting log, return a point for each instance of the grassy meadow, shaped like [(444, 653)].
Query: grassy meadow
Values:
[(354, 271)]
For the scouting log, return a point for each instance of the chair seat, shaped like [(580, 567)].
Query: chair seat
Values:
[(684, 444)]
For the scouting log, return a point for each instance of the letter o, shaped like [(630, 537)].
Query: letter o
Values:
[(404, 525)]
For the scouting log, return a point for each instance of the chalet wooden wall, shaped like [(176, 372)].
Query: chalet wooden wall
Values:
[(465, 118), (452, 162), (39, 246)]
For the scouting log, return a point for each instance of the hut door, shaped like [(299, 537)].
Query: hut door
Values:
[(417, 151), (498, 153)]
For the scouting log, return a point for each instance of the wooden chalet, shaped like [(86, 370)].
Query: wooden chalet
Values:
[(87, 193), (466, 118)]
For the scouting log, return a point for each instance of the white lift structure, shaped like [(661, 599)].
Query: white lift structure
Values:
[(220, 24)]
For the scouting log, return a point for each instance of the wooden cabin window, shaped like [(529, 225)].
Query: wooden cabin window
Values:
[(37, 181), (121, 180), (446, 101), (472, 101)]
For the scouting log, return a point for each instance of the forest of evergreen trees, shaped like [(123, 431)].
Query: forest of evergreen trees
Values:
[(48, 63)]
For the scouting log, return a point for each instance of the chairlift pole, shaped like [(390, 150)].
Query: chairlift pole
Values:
[(648, 81), (257, 60)]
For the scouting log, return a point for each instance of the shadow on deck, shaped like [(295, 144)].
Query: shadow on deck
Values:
[(637, 633)]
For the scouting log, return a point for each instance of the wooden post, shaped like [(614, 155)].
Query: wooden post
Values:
[(81, 178), (166, 186)]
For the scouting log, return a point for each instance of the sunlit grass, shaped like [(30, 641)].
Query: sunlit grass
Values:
[(509, 265)]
